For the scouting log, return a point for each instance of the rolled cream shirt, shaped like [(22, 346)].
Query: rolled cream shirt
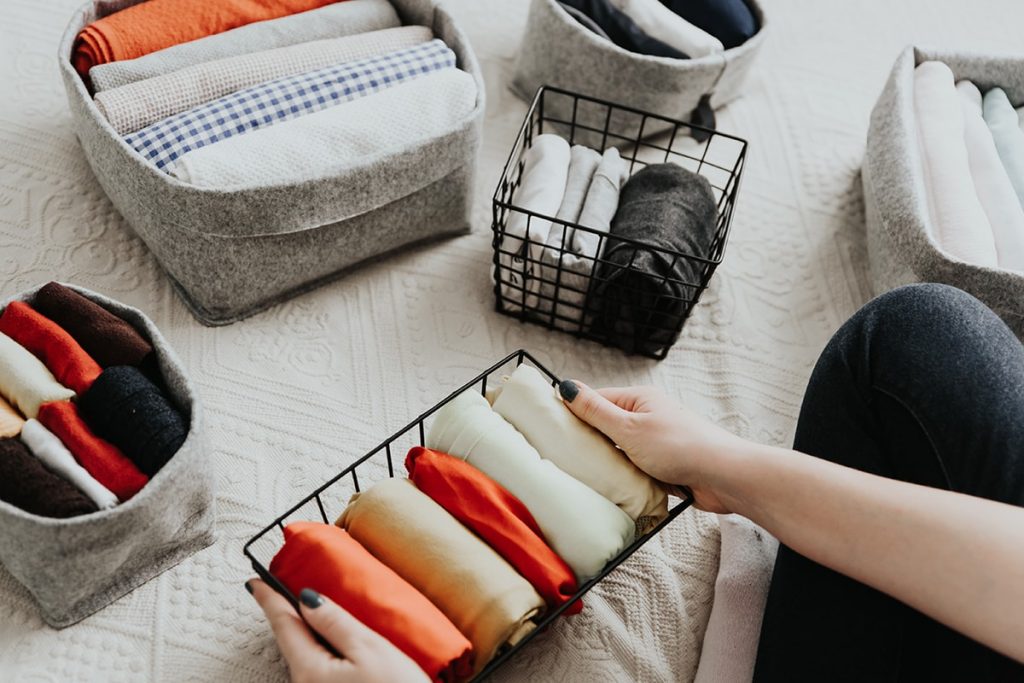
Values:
[(24, 380), (531, 404), (11, 422), (583, 527), (52, 453), (660, 22), (475, 588)]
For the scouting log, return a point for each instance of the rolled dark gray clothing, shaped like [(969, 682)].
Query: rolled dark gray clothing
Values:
[(124, 407), (642, 293)]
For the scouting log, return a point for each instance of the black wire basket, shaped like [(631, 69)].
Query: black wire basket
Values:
[(563, 299), (328, 501)]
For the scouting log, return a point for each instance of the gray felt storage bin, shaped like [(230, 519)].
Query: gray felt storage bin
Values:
[(900, 248), (232, 253), (559, 51), (76, 566)]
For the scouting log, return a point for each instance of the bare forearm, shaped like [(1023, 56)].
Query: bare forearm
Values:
[(957, 558)]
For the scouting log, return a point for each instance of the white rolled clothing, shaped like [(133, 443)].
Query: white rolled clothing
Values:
[(25, 382), (1002, 122), (957, 220), (328, 141), (583, 527), (45, 445), (658, 21), (992, 184), (532, 405)]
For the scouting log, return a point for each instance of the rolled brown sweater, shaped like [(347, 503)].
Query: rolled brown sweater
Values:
[(27, 484)]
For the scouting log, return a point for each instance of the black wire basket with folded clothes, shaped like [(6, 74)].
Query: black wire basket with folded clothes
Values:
[(331, 506), (615, 244)]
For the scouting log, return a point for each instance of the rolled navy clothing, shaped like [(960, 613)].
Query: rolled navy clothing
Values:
[(124, 407), (45, 445), (622, 30), (26, 484), (50, 343), (25, 382), (731, 21), (641, 292)]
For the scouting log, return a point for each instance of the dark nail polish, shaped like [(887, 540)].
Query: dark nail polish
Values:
[(568, 389), (310, 598), (248, 587)]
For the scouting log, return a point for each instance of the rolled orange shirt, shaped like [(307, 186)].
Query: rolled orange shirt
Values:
[(155, 24), (325, 558), (50, 343), (496, 516)]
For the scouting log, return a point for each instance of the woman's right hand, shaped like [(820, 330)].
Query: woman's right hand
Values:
[(664, 439)]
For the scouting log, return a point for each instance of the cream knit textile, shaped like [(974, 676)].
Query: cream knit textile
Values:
[(583, 527), (658, 21), (532, 405), (310, 146), (137, 105), (24, 380), (45, 445)]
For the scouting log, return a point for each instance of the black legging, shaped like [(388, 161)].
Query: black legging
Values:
[(924, 384)]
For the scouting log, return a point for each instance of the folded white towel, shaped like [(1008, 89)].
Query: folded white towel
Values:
[(995, 191), (45, 445), (658, 21), (1006, 133), (136, 105), (325, 142), (957, 220)]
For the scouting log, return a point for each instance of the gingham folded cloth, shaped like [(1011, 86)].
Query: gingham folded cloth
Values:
[(285, 98), (139, 104)]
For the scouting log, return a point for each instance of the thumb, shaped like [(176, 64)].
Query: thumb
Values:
[(336, 625), (594, 409)]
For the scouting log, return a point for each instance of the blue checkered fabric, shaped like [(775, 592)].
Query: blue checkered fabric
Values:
[(282, 99)]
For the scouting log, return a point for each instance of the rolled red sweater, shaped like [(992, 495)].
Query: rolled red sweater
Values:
[(496, 516), (102, 459), (325, 558), (47, 341)]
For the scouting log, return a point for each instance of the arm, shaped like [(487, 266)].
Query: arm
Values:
[(956, 558)]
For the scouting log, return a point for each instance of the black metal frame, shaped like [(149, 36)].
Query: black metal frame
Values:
[(562, 308), (316, 505)]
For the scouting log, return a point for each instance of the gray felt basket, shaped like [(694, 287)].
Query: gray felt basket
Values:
[(74, 567), (233, 253), (900, 247), (558, 50)]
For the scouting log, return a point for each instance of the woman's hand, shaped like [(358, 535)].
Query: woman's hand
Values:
[(661, 437), (368, 656)]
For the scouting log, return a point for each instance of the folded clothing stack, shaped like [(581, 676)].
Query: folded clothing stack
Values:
[(590, 248), (245, 93), (507, 510), (972, 157), (82, 426)]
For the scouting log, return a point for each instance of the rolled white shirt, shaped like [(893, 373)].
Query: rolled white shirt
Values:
[(45, 445)]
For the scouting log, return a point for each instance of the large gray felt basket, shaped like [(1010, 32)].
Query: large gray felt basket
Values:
[(900, 247), (559, 51), (74, 567), (233, 253)]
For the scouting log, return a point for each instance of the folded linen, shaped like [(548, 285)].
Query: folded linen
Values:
[(641, 292), (532, 405), (124, 407), (661, 23), (330, 140), (487, 509), (326, 559), (958, 221), (139, 104), (156, 24), (108, 339), (52, 453), (541, 188), (622, 30), (50, 343), (331, 21), (481, 593), (282, 99), (25, 483), (995, 191), (24, 380), (11, 421), (731, 21), (583, 527), (100, 458), (1006, 133)]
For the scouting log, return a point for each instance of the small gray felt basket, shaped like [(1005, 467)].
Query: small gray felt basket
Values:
[(74, 567), (900, 248), (232, 253)]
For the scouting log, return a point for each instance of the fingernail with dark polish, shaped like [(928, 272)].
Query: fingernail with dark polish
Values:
[(568, 389), (310, 598), (248, 587)]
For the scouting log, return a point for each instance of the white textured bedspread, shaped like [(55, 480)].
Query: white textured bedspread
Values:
[(295, 393)]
